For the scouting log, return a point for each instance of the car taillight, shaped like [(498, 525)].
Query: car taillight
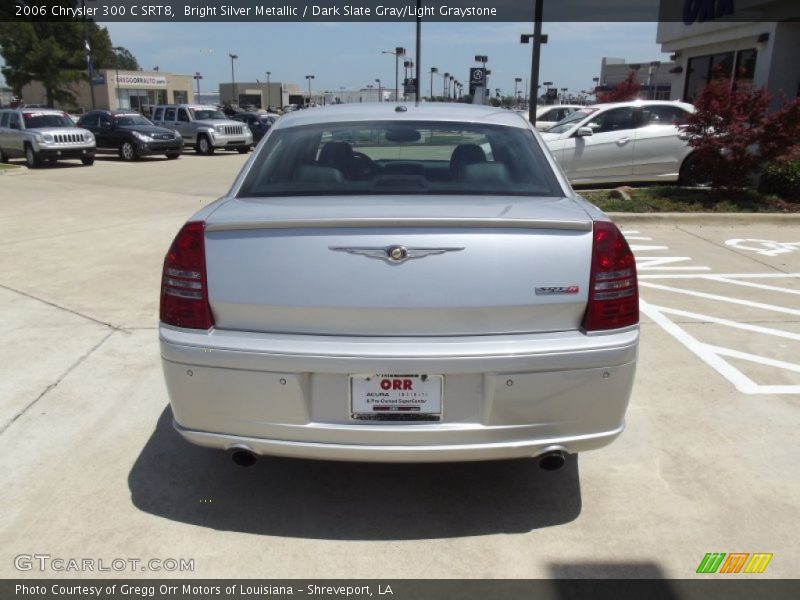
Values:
[(613, 291), (184, 289)]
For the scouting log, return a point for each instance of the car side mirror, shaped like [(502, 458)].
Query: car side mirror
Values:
[(584, 132), (105, 125)]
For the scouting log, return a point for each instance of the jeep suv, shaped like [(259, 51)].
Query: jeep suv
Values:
[(39, 134), (204, 127), (130, 135)]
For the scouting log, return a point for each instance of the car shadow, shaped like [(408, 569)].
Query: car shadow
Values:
[(614, 580), (142, 159), (347, 501)]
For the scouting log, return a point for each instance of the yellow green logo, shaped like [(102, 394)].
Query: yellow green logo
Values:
[(735, 562)]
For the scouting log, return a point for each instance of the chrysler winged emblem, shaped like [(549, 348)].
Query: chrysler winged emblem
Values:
[(392, 254)]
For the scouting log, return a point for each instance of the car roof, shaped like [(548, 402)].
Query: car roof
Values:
[(643, 103), (390, 111), (42, 111)]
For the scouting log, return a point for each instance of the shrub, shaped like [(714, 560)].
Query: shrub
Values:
[(623, 91), (782, 178), (734, 133)]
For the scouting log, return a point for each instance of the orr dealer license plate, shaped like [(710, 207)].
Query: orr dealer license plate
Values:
[(396, 397)]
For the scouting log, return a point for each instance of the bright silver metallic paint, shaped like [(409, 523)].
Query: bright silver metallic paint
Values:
[(293, 321)]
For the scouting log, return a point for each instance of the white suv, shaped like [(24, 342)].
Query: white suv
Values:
[(39, 134)]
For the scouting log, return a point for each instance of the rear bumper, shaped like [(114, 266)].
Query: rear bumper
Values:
[(505, 396)]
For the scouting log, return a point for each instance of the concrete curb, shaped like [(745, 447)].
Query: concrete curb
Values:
[(792, 219)]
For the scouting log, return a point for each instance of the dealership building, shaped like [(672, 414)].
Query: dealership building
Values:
[(135, 90), (757, 44)]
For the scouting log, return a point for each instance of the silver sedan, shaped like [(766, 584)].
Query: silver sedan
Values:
[(400, 283)]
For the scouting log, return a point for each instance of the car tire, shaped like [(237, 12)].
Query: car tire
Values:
[(87, 161), (3, 156), (173, 155), (244, 150), (204, 146), (688, 173), (127, 152), (32, 159)]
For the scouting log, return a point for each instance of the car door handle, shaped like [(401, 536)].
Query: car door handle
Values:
[(623, 141)]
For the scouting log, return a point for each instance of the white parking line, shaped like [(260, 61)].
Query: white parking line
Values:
[(711, 354)]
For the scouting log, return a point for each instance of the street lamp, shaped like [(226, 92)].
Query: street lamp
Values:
[(398, 52), (233, 57), (378, 81), (117, 49), (654, 64), (269, 97), (517, 81), (370, 87), (197, 77), (563, 95), (433, 70), (309, 78), (536, 50)]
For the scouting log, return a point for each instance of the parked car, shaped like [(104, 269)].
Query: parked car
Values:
[(624, 141), (547, 116), (39, 134), (204, 127), (435, 293), (130, 135), (259, 123)]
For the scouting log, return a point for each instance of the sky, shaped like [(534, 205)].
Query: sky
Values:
[(349, 54)]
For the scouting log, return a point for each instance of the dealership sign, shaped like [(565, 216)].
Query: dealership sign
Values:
[(141, 80)]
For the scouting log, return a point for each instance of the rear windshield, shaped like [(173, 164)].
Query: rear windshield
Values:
[(404, 157), (40, 120), (203, 114), (131, 120)]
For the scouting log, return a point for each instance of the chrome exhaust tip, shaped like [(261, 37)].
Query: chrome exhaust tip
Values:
[(244, 458), (552, 460)]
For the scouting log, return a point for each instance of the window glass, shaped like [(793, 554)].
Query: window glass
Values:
[(170, 114), (378, 158), (88, 120), (104, 121), (745, 67), (14, 121), (4, 120), (35, 120), (131, 121), (615, 119), (202, 114), (183, 115), (663, 115), (158, 114)]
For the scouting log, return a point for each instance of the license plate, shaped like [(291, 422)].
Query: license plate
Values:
[(396, 397)]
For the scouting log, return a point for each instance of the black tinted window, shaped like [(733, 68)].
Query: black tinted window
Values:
[(382, 157), (615, 119)]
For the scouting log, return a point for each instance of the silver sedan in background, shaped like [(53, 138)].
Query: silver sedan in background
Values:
[(400, 283), (625, 141)]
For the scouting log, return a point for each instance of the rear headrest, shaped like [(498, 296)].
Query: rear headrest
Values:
[(485, 174), (318, 174)]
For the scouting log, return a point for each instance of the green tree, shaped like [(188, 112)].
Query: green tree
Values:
[(54, 53)]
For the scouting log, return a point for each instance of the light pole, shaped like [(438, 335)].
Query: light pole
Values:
[(309, 78), (89, 62), (538, 39), (450, 87), (116, 49), (197, 77), (233, 57), (653, 65), (517, 81), (563, 95), (433, 70), (546, 84), (269, 96), (445, 77), (380, 98), (398, 52)]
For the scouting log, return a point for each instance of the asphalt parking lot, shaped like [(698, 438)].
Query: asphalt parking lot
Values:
[(92, 468)]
